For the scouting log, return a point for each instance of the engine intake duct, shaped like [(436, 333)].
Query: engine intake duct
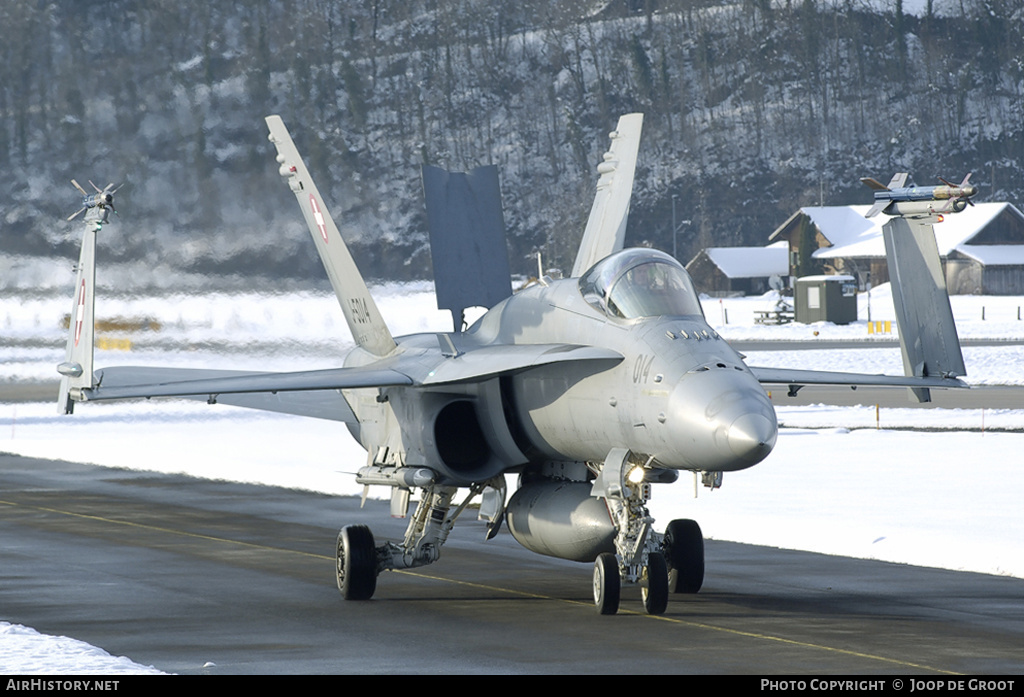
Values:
[(460, 440)]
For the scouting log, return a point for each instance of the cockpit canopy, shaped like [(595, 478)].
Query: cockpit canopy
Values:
[(638, 283)]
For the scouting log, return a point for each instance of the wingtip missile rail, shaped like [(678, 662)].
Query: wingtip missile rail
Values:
[(917, 201)]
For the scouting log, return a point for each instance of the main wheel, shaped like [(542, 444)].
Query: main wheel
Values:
[(357, 563), (684, 552), (607, 584), (655, 586)]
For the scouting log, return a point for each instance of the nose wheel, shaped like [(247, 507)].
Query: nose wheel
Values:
[(683, 545), (607, 584), (653, 580), (654, 588)]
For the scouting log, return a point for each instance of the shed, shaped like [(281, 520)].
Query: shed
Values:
[(738, 270), (826, 299)]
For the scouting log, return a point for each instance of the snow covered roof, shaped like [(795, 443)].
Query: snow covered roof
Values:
[(994, 254), (854, 236), (751, 262)]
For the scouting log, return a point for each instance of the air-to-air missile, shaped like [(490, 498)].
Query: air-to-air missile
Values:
[(899, 199), (102, 199)]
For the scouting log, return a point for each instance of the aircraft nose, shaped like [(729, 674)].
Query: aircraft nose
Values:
[(752, 436), (719, 419)]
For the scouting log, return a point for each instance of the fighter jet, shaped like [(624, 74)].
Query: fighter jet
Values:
[(590, 391)]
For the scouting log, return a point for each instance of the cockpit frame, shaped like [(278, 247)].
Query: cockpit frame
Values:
[(640, 283)]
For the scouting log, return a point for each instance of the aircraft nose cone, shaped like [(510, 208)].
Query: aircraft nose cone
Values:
[(751, 437), (719, 419)]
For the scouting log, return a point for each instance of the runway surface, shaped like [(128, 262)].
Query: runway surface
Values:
[(195, 576)]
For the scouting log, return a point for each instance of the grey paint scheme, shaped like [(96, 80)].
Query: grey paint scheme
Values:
[(546, 376), (928, 339), (551, 383), (606, 226)]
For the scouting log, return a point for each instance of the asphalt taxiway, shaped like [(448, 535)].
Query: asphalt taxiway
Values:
[(197, 576)]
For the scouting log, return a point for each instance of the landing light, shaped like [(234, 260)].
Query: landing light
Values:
[(636, 475)]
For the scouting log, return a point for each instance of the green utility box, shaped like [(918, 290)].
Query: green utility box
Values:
[(826, 299)]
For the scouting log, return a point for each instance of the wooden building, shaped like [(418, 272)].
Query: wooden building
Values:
[(725, 271)]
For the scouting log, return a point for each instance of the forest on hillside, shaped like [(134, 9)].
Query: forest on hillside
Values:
[(753, 109)]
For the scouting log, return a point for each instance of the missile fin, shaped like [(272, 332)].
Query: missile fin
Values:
[(899, 180), (873, 183)]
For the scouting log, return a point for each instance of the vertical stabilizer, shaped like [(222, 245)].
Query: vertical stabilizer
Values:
[(606, 227), (364, 319), (76, 370), (928, 337)]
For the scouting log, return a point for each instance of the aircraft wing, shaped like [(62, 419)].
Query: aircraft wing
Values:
[(796, 378), (317, 392), (306, 393)]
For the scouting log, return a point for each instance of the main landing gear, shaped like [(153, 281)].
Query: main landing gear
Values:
[(360, 560), (357, 563)]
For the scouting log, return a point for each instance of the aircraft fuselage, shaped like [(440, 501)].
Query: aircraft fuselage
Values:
[(680, 395)]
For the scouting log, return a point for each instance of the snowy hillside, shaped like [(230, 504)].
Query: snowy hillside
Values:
[(753, 109)]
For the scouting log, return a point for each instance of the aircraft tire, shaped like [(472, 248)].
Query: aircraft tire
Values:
[(357, 563), (607, 584), (684, 552), (655, 589)]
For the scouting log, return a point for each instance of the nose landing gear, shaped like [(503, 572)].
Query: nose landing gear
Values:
[(659, 564)]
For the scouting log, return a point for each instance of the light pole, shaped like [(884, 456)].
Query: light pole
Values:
[(675, 228)]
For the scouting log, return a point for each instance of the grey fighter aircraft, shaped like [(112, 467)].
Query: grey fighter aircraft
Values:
[(592, 389)]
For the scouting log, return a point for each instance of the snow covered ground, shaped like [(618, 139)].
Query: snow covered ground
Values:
[(24, 651), (834, 484)]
